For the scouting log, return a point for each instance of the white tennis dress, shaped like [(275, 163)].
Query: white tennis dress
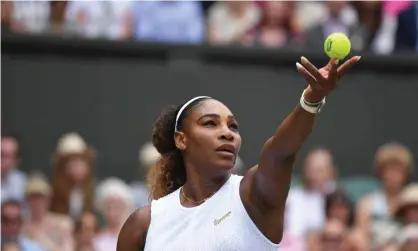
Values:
[(219, 224)]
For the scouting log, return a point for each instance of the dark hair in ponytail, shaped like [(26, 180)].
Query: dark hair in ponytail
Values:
[(169, 173)]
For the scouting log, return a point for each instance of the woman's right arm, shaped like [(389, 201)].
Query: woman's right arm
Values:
[(133, 233), (362, 220)]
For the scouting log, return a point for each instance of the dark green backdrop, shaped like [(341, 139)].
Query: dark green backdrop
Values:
[(111, 92)]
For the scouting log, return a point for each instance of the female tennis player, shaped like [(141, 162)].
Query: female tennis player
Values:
[(197, 204)]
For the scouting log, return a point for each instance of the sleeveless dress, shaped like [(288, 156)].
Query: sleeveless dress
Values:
[(219, 224)]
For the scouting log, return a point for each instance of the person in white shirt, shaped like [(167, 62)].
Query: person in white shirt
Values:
[(13, 181), (197, 203), (318, 181)]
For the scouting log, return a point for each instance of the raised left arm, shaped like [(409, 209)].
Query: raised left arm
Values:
[(272, 177)]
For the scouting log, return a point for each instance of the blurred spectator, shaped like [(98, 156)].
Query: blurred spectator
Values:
[(109, 19), (332, 237), (53, 231), (384, 235), (13, 181), (57, 18), (407, 31), (409, 238), (148, 157), (393, 165), (29, 16), (73, 176), (169, 21), (384, 41), (85, 231), (407, 213), (277, 28), (310, 13), (115, 202), (35, 16), (338, 207), (318, 180), (369, 17), (228, 21), (11, 228), (407, 208), (340, 17), (6, 15), (402, 236)]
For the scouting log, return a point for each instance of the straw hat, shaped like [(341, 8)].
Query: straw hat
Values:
[(393, 152), (408, 197), (148, 155), (70, 145), (38, 185)]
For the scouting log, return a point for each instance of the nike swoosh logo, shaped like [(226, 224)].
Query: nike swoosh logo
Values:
[(217, 221)]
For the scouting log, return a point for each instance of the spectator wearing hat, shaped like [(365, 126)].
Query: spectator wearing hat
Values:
[(115, 202), (401, 233), (407, 208), (72, 182), (393, 165), (53, 231), (407, 213)]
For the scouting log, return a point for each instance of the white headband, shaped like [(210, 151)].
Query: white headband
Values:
[(184, 107)]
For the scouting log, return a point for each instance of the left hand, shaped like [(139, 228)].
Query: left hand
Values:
[(323, 81)]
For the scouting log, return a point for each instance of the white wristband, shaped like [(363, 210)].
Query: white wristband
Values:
[(314, 108)]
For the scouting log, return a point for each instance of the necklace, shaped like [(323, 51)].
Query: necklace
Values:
[(205, 199), (197, 202)]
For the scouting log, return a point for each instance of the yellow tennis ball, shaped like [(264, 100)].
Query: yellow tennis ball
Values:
[(337, 45)]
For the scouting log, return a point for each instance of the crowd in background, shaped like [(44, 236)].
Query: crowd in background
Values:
[(380, 27), (75, 211)]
